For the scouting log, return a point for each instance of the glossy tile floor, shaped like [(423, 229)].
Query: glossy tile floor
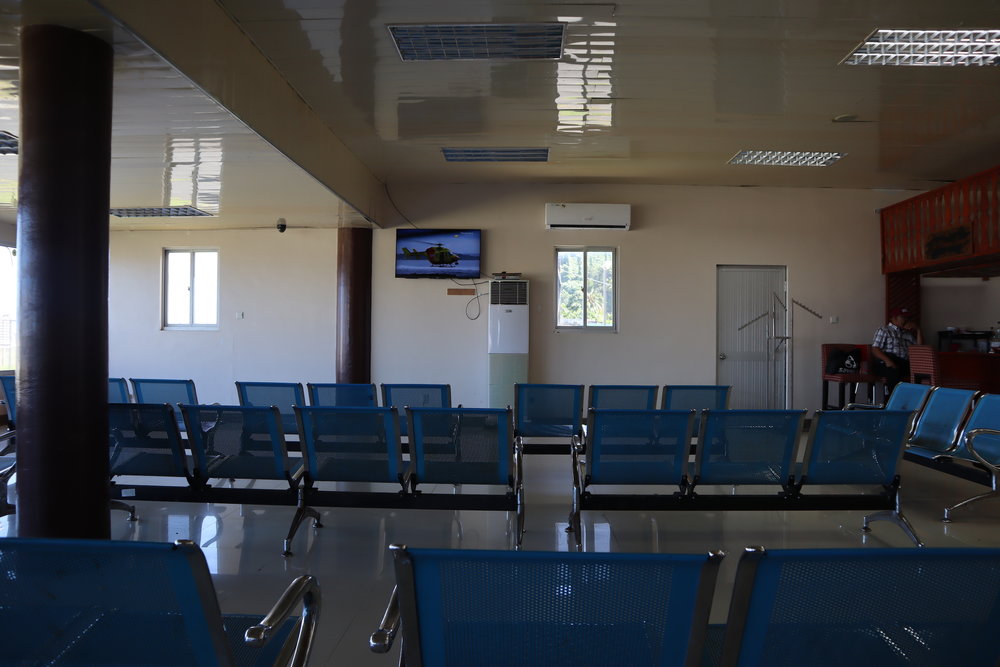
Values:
[(349, 553)]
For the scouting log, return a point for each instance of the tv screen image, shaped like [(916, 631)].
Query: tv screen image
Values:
[(437, 253)]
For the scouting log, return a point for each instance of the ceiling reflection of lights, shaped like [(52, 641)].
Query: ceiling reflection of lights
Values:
[(786, 158), (583, 77), (927, 48), (193, 176)]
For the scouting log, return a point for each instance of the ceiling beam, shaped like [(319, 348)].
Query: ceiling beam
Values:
[(202, 42)]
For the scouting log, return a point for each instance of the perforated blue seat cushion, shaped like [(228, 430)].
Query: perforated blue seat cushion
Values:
[(523, 608), (85, 603), (875, 607), (144, 463)]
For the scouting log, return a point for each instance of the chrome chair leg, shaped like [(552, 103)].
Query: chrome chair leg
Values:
[(982, 496), (894, 516), (302, 512), (125, 507)]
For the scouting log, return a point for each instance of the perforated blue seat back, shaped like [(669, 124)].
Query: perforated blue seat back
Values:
[(402, 396), (623, 397), (908, 396), (175, 392), (164, 391), (8, 385), (282, 395), (462, 445), (117, 390), (351, 444), (84, 602), (856, 446), (144, 440), (886, 607), (986, 414), (937, 429), (695, 397), (548, 410), (238, 441), (638, 446), (342, 395), (547, 608), (747, 446)]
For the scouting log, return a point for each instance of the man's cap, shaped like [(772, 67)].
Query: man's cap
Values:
[(896, 312)]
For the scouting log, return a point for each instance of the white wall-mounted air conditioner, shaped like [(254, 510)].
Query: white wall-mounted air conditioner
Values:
[(508, 339), (587, 216)]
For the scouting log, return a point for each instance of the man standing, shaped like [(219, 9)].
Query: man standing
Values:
[(891, 347)]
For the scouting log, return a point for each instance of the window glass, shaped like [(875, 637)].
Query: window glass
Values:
[(191, 288), (8, 308), (585, 288)]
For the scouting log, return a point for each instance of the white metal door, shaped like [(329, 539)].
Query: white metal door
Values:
[(752, 335)]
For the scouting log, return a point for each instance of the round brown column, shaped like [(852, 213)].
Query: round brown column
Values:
[(354, 304), (62, 242)]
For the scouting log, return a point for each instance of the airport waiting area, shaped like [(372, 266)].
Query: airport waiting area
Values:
[(598, 525)]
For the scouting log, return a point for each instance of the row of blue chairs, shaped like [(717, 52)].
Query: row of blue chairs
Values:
[(540, 410), (95, 602), (847, 454), (449, 446), (956, 431), (788, 608)]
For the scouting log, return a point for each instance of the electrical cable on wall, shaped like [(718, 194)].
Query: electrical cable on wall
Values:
[(474, 284)]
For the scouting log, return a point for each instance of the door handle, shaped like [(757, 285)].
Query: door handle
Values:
[(722, 355)]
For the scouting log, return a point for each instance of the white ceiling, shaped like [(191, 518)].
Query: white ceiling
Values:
[(690, 82)]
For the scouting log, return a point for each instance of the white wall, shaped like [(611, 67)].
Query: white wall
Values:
[(285, 283), (966, 303)]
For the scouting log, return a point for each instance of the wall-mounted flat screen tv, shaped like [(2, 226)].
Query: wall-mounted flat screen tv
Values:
[(437, 253)]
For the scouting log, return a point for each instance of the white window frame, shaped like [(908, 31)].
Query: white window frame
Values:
[(593, 328), (165, 278)]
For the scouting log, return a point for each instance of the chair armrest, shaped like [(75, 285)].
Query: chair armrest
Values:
[(970, 438), (864, 406), (575, 452), (381, 640), (518, 465), (302, 590), (8, 438)]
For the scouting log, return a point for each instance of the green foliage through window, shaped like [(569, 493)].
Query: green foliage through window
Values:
[(585, 288)]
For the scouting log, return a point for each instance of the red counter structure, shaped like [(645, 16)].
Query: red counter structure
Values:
[(953, 230)]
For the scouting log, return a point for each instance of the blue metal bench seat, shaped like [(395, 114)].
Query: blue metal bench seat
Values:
[(99, 602), (836, 607), (461, 607), (757, 448)]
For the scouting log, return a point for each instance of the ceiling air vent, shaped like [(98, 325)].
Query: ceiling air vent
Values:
[(8, 143), (479, 41), (159, 212), (509, 292), (496, 154)]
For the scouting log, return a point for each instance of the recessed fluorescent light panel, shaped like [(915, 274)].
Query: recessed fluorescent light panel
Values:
[(927, 48), (159, 212), (8, 143), (496, 154), (479, 41), (786, 158)]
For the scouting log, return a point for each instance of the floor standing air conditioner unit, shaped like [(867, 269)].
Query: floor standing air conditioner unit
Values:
[(508, 344)]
